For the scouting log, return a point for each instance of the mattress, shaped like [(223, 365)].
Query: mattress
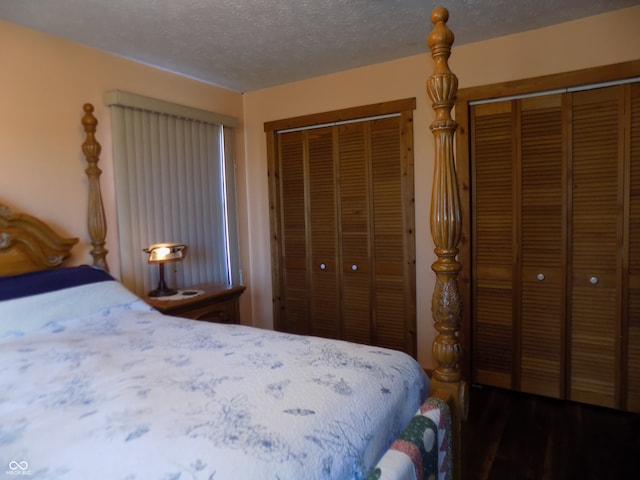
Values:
[(96, 384)]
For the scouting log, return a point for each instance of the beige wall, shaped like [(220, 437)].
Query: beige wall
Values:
[(601, 40), (44, 82)]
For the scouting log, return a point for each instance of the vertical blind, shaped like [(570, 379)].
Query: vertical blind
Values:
[(174, 178)]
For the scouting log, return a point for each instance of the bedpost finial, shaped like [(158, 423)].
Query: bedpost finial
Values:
[(439, 14), (441, 36), (89, 121)]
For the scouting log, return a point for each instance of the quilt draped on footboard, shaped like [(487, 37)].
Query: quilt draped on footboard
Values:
[(423, 450)]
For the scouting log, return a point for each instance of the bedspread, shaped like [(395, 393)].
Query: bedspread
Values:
[(122, 392)]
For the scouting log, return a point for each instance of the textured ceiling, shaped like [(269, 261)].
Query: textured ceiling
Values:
[(247, 45)]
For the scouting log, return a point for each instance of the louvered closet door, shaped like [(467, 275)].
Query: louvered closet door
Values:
[(323, 234), (372, 233), (556, 281), (390, 279), (310, 233), (633, 292), (342, 214), (494, 243), (542, 305), (354, 174), (596, 245), (296, 288)]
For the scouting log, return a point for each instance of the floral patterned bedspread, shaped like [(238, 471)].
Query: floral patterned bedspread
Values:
[(94, 384)]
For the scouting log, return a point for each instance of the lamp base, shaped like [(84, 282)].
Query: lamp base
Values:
[(162, 291)]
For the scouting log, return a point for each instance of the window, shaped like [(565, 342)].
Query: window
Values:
[(174, 177)]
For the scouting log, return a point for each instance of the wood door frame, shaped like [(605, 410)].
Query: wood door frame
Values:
[(596, 75)]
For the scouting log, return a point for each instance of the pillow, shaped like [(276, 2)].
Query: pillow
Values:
[(44, 281), (43, 312)]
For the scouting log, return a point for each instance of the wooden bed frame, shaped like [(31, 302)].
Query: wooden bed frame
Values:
[(28, 244)]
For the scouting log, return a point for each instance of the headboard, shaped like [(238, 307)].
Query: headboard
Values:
[(28, 244)]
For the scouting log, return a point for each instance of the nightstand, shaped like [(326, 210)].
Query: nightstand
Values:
[(219, 303)]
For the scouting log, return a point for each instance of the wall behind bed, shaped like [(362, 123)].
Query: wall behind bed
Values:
[(44, 81), (601, 40)]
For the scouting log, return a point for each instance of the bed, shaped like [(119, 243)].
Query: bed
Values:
[(94, 383)]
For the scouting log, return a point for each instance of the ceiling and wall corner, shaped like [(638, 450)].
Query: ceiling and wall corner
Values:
[(248, 45)]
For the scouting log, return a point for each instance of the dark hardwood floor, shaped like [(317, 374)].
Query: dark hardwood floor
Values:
[(510, 435)]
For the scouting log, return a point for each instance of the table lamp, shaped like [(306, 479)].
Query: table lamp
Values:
[(162, 253)]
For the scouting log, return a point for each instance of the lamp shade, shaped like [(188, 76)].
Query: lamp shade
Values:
[(166, 252)]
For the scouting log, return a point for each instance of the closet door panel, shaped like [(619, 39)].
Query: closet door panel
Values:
[(353, 169), (633, 293), (323, 232), (493, 249), (542, 246), (296, 288), (596, 242), (388, 234)]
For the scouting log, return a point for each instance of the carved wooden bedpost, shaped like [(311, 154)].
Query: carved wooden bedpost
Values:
[(446, 225), (96, 220)]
